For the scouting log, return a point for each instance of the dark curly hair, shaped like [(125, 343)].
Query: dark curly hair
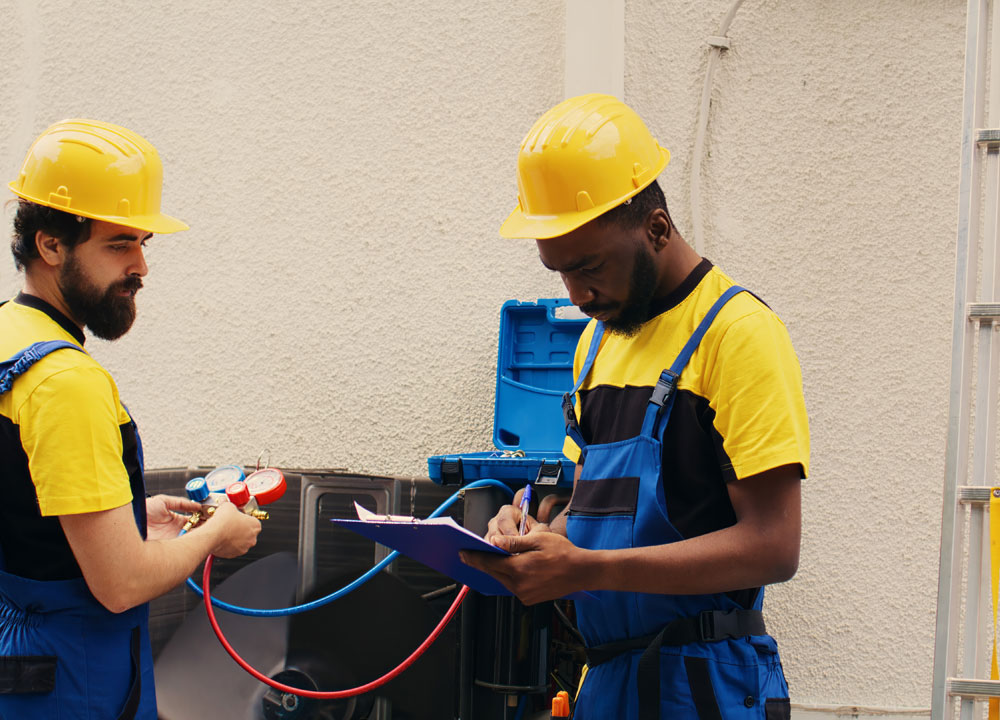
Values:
[(633, 212), (31, 217)]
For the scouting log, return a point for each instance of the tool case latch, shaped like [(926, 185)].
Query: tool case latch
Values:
[(549, 473), (451, 471)]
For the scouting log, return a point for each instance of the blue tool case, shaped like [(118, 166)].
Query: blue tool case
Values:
[(534, 369)]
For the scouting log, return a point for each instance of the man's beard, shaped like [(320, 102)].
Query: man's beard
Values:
[(634, 311), (108, 314)]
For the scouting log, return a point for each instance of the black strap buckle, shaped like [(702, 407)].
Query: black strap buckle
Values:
[(706, 625), (569, 413), (715, 625), (549, 473), (664, 388)]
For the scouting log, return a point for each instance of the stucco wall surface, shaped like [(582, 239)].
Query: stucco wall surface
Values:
[(345, 167), (830, 189)]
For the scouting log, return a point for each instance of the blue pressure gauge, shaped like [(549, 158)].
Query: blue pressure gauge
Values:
[(197, 489), (224, 476)]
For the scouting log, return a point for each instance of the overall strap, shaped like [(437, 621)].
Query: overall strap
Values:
[(19, 363), (569, 414), (662, 400)]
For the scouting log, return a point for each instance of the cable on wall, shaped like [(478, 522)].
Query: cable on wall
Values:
[(717, 43)]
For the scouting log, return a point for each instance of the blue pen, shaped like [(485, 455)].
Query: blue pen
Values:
[(525, 499)]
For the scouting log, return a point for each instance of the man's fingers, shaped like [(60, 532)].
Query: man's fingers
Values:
[(478, 560), (515, 544), (507, 522), (172, 502)]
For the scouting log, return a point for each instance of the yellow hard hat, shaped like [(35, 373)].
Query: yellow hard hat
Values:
[(583, 157), (96, 170)]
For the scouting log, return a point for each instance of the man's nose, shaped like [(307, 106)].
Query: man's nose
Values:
[(139, 266), (580, 291)]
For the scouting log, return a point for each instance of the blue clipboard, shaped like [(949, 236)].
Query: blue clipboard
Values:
[(434, 542)]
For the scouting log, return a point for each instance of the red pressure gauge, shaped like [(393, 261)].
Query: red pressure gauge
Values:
[(238, 494), (266, 485)]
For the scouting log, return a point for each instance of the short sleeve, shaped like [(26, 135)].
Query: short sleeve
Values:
[(70, 434), (757, 397)]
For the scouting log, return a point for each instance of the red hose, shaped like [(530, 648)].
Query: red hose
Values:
[(319, 694)]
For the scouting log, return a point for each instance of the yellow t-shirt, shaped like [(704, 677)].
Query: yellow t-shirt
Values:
[(65, 437), (739, 408)]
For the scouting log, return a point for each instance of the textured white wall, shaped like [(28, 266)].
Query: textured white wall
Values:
[(344, 168), (831, 189)]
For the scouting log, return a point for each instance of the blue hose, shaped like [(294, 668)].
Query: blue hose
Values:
[(295, 609)]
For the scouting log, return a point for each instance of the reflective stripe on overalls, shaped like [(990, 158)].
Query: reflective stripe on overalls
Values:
[(63, 655), (656, 656)]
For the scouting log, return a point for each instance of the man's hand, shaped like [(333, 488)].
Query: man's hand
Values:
[(237, 531), (163, 518), (543, 566), (507, 522)]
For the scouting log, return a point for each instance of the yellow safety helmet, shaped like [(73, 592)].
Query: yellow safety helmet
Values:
[(96, 170), (583, 157)]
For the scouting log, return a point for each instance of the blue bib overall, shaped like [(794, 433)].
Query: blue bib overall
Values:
[(63, 655), (654, 656)]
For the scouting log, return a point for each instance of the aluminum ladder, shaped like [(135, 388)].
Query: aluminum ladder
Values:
[(963, 629)]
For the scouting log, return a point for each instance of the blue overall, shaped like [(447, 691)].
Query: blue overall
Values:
[(654, 656), (63, 655)]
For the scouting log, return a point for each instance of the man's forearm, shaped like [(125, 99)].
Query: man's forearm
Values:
[(120, 568), (722, 561), (558, 524)]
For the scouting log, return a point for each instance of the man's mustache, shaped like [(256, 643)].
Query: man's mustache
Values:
[(132, 284)]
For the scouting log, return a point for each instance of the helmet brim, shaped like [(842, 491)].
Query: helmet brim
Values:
[(540, 227), (157, 223)]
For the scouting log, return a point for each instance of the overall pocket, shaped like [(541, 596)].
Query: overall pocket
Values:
[(602, 513), (24, 674)]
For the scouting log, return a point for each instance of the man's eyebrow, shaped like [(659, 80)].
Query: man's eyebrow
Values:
[(125, 236), (583, 262)]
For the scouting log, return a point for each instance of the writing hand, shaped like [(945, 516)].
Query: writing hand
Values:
[(508, 521)]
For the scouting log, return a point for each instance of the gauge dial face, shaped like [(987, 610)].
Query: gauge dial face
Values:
[(222, 477), (266, 485)]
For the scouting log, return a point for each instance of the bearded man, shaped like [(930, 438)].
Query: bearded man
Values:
[(689, 432), (82, 548)]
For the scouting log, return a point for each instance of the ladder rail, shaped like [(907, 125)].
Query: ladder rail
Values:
[(959, 408), (977, 601)]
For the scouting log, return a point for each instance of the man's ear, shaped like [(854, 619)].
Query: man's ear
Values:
[(50, 250), (658, 229)]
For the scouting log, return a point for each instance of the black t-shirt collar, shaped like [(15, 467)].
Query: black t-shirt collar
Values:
[(64, 322), (687, 286)]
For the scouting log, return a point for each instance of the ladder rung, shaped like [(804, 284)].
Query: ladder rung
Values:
[(973, 688), (988, 136), (973, 494), (984, 311)]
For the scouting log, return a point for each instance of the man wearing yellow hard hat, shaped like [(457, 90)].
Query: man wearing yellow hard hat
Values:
[(688, 427), (82, 549)]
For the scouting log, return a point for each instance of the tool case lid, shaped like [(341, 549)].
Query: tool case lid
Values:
[(534, 368)]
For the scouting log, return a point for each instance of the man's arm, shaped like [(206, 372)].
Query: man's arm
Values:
[(122, 570), (762, 547)]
